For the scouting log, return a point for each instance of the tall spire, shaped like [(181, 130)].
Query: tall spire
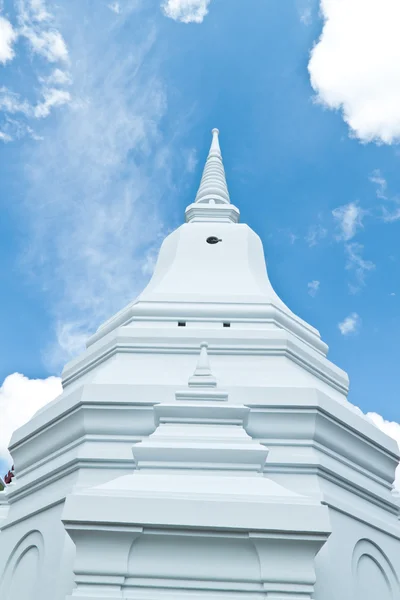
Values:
[(212, 202), (213, 187)]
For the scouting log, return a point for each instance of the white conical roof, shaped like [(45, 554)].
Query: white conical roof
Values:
[(212, 269)]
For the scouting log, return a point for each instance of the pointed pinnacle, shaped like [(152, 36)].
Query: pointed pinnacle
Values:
[(202, 376), (215, 147), (213, 187)]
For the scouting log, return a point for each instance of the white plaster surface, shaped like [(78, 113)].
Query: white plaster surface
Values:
[(202, 461)]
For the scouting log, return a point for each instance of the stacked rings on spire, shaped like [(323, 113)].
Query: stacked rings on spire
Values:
[(213, 186)]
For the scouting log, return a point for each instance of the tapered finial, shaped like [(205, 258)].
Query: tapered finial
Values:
[(215, 144), (213, 187)]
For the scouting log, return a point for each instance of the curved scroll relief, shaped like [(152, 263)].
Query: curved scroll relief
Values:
[(373, 574), (21, 576)]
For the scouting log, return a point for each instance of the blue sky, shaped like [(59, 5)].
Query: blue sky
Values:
[(105, 116)]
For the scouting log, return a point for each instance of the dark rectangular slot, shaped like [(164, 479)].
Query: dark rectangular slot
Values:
[(227, 324), (181, 324)]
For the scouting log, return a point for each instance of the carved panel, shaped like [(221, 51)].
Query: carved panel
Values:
[(21, 577), (373, 574)]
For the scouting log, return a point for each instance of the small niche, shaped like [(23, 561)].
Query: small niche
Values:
[(227, 324), (181, 324)]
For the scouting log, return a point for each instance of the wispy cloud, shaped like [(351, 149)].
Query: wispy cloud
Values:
[(36, 24), (315, 234), (5, 137), (56, 77), (191, 160), (115, 7), (354, 66), (390, 211), (7, 38), (350, 325), (52, 97), (305, 9), (10, 102), (186, 11), (313, 287), (285, 233), (389, 216), (381, 184), (349, 218), (357, 264), (96, 181)]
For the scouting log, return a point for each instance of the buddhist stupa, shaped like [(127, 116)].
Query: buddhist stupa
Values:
[(203, 447)]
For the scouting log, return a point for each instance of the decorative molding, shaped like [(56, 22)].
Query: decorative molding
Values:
[(367, 550), (208, 213), (280, 345), (31, 541)]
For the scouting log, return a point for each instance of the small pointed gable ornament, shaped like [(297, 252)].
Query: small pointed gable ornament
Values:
[(202, 376)]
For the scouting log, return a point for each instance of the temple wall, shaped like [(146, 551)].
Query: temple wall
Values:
[(358, 562), (36, 558)]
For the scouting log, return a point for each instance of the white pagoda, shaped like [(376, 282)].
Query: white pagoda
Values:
[(203, 447)]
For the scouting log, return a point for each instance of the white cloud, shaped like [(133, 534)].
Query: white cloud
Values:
[(38, 10), (149, 261), (348, 218), (115, 7), (350, 324), (389, 216), (20, 398), (313, 287), (306, 17), (354, 66), (305, 9), (57, 77), (186, 11), (52, 97), (49, 44), (5, 137), (289, 234), (95, 183), (356, 263), (390, 211), (191, 160), (7, 38), (14, 129), (380, 183), (315, 234), (37, 25), (11, 102), (392, 429)]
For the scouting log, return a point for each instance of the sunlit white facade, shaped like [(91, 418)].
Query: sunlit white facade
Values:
[(203, 447)]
